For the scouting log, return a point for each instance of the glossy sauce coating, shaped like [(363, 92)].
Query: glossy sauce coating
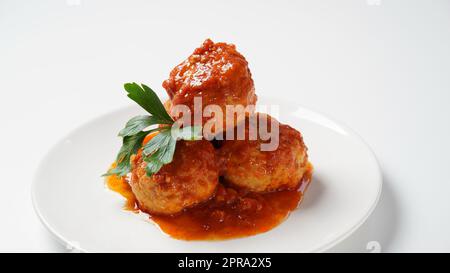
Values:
[(217, 73), (229, 214)]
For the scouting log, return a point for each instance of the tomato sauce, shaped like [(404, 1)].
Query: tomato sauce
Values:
[(231, 213), (121, 186)]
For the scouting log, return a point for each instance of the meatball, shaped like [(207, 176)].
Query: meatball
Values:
[(245, 165), (191, 178), (219, 75)]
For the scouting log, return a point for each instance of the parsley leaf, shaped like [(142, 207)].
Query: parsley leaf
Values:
[(161, 139), (153, 166), (159, 151), (130, 146), (137, 124), (147, 99), (161, 148)]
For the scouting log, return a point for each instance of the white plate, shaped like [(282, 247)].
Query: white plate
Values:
[(72, 201)]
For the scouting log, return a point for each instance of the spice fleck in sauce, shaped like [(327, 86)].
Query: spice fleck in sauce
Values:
[(229, 214)]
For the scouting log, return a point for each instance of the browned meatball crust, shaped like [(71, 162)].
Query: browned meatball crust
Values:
[(244, 164), (191, 178)]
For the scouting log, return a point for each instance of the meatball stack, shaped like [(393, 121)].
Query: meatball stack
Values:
[(218, 74)]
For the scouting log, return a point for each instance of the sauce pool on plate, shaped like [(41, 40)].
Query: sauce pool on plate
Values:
[(231, 213)]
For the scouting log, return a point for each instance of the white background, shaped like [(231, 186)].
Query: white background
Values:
[(382, 67)]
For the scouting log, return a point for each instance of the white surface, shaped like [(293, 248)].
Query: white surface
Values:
[(71, 199), (382, 69)]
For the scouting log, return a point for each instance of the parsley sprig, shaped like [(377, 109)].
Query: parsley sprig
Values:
[(161, 148)]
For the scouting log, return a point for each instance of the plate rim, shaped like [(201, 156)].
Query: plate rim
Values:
[(70, 246)]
